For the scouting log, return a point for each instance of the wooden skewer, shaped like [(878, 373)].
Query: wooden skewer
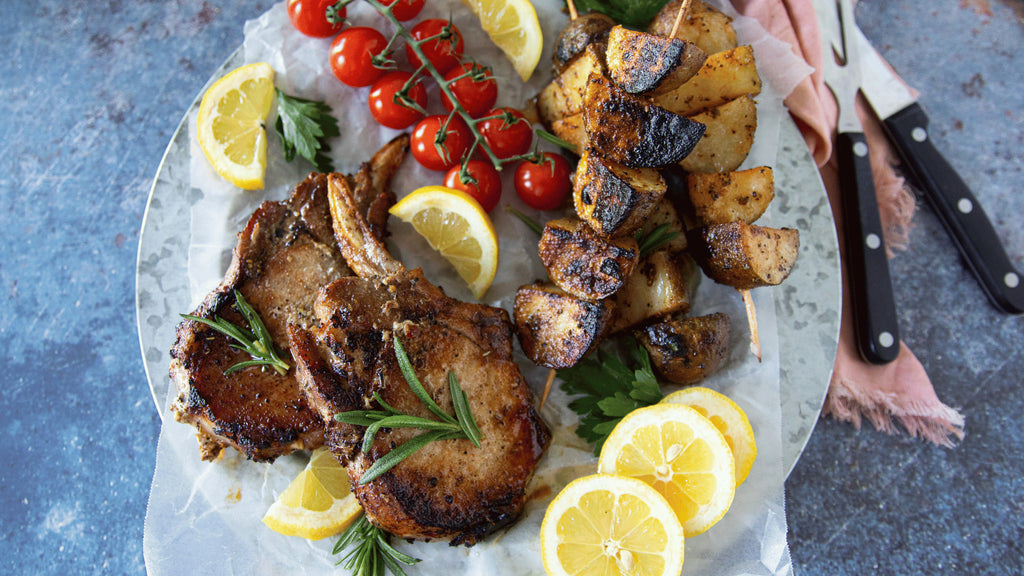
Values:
[(755, 341), (572, 10), (679, 16), (550, 380)]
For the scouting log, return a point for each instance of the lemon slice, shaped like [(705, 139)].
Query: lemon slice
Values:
[(513, 26), (456, 226), (604, 525), (318, 503), (729, 418), (682, 455), (230, 124)]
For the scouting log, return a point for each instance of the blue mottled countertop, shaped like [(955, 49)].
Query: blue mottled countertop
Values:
[(91, 95)]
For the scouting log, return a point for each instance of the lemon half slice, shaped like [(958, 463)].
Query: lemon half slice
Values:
[(456, 226), (230, 124), (682, 455), (318, 503), (604, 525), (513, 26), (728, 417)]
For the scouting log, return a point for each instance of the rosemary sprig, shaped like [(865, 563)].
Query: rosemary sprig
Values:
[(372, 552), (462, 425), (655, 239), (609, 390), (256, 341), (545, 135), (304, 127), (529, 222)]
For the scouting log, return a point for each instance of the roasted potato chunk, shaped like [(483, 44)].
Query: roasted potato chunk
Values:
[(704, 25), (564, 95), (745, 256), (687, 350), (579, 33), (583, 264), (663, 284), (557, 329), (664, 212), (643, 63), (723, 77), (727, 196), (612, 199), (727, 139), (633, 132), (571, 130)]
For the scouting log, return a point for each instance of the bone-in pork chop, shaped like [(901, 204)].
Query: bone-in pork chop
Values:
[(285, 254), (449, 489)]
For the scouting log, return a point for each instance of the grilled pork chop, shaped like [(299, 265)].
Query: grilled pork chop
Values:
[(449, 489), (284, 255)]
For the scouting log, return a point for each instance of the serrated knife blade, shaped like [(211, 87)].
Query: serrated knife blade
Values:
[(906, 124)]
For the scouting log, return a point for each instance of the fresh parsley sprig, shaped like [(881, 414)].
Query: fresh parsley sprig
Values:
[(304, 127), (372, 552), (256, 340), (609, 390), (462, 425)]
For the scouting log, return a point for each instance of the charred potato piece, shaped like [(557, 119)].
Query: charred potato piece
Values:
[(745, 256), (571, 130), (579, 33), (642, 63), (727, 139), (704, 25), (564, 95), (687, 350), (581, 263), (663, 284), (728, 196), (633, 132), (557, 329), (612, 199), (723, 77)]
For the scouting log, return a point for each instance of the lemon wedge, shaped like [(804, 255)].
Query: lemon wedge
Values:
[(230, 124), (454, 224), (513, 26), (605, 525), (682, 455), (318, 503), (728, 417)]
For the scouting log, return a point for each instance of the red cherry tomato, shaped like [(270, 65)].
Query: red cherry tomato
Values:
[(310, 17), (352, 53), (476, 96), (543, 186), (486, 190), (507, 135), (457, 140), (391, 112), (443, 53), (405, 9)]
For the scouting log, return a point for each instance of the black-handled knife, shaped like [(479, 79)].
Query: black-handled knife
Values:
[(874, 308), (960, 212)]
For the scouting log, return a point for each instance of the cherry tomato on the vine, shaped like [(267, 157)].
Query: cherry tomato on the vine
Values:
[(444, 53), (310, 17), (405, 9), (475, 95), (352, 54), (507, 135), (543, 186), (486, 190), (391, 112), (424, 143)]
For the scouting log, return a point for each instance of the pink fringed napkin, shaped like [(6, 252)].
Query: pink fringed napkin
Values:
[(899, 392)]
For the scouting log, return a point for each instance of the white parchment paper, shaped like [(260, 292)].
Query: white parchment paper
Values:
[(204, 518)]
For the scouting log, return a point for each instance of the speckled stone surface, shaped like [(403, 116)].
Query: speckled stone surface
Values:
[(92, 93)]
